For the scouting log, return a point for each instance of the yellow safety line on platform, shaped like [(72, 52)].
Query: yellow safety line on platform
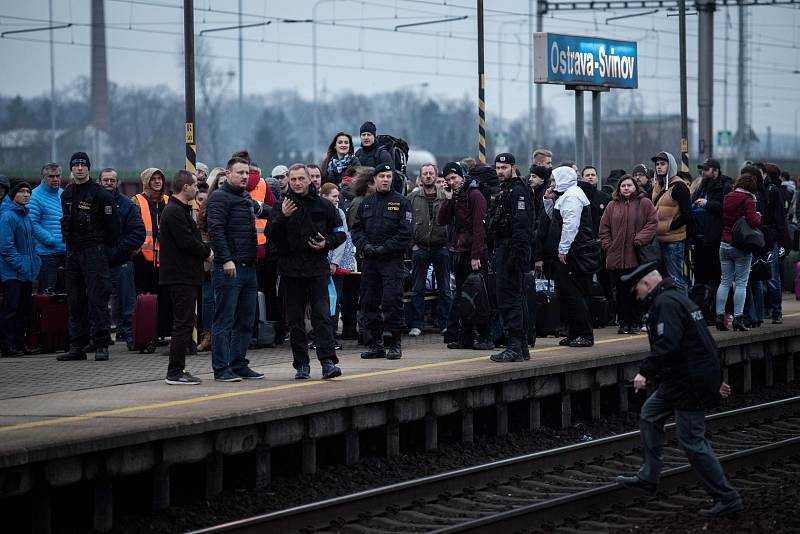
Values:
[(232, 394)]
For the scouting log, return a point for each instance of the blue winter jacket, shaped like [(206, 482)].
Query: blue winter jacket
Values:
[(18, 257), (132, 232), (44, 212), (5, 203)]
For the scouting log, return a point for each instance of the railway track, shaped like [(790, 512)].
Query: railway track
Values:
[(538, 489)]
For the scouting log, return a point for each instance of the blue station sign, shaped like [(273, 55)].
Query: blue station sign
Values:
[(592, 61)]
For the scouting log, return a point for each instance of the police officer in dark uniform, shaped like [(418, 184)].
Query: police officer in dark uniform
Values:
[(511, 226), (89, 224), (684, 361), (382, 232)]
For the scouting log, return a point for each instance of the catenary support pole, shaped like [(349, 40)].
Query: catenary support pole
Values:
[(579, 128), (529, 129), (742, 131), (705, 78), (539, 110), (684, 166), (597, 137), (481, 89), (53, 151), (188, 51)]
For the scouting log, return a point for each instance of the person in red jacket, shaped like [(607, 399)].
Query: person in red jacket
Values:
[(734, 262), (628, 221), (465, 207)]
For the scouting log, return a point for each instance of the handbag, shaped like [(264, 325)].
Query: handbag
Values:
[(648, 252), (587, 257), (745, 237)]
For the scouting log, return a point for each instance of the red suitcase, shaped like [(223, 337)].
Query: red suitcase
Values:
[(145, 323), (49, 327)]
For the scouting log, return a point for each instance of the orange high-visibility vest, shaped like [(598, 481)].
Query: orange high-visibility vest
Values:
[(150, 247), (259, 194)]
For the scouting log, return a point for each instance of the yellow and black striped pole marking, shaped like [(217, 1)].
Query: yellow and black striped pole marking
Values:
[(481, 89), (684, 154), (191, 149)]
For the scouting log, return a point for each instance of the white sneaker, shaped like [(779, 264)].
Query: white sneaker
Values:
[(415, 332)]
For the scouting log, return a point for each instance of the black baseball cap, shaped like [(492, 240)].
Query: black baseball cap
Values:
[(709, 163)]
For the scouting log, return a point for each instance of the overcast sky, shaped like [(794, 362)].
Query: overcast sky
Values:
[(359, 50)]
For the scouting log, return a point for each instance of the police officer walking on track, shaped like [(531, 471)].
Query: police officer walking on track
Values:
[(684, 359), (511, 226), (89, 223), (382, 232)]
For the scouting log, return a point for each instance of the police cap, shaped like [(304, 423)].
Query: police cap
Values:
[(381, 168), (640, 272), (505, 157)]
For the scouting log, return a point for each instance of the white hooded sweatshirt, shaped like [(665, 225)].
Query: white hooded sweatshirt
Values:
[(570, 204)]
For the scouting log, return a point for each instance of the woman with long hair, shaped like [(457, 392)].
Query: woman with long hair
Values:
[(628, 222), (734, 262), (338, 158)]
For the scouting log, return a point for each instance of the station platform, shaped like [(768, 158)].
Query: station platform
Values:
[(73, 420)]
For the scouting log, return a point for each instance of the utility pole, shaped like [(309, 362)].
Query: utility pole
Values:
[(684, 166), (540, 10), (188, 57), (742, 130), (705, 78), (530, 128), (481, 89), (241, 71), (53, 151), (99, 84)]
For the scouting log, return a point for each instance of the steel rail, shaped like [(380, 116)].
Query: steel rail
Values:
[(319, 514)]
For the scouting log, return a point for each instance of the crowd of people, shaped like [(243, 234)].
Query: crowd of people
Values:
[(311, 247)]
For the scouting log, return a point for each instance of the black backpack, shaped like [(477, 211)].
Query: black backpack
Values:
[(473, 306), (488, 184), (398, 150)]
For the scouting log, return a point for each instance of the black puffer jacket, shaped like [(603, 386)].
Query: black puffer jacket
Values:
[(231, 225), (709, 219), (683, 355), (291, 234)]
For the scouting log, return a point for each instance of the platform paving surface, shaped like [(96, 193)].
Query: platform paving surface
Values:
[(45, 403)]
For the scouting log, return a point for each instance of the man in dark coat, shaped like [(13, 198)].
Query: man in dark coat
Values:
[(182, 254), (684, 359), (707, 210), (304, 230)]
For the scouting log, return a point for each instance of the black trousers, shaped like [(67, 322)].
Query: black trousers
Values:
[(15, 314), (707, 269), (462, 267), (88, 292), (382, 290), (574, 291), (267, 276), (312, 292), (628, 309), (349, 302), (509, 291), (184, 304)]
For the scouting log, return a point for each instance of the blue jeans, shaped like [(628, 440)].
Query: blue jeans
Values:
[(48, 273), (233, 317), (691, 429), (123, 298), (208, 304), (421, 259), (735, 267), (673, 257), (774, 286)]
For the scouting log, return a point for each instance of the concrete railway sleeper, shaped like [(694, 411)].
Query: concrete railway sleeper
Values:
[(529, 402), (528, 491)]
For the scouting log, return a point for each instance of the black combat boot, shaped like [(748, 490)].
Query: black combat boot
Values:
[(376, 349), (394, 352)]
